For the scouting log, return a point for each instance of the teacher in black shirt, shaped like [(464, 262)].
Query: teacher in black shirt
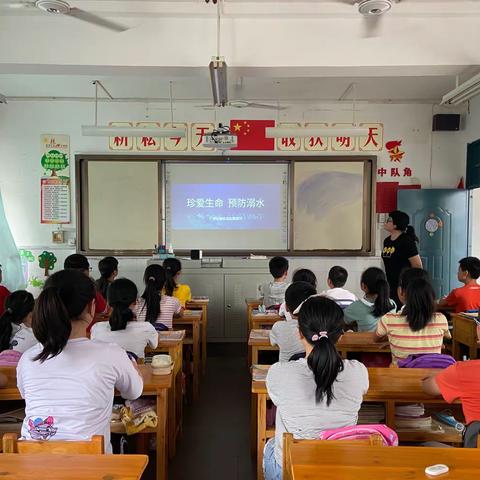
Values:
[(399, 250)]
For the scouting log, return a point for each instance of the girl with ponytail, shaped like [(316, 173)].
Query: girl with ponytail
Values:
[(108, 268), (16, 322), (417, 328), (122, 328), (173, 269), (68, 380), (375, 304), (399, 250), (154, 307), (318, 392)]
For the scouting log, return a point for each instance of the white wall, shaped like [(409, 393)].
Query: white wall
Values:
[(437, 159)]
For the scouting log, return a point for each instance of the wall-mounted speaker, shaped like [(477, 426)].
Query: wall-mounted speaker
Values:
[(446, 122)]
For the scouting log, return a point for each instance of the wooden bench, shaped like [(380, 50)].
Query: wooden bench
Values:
[(342, 460)]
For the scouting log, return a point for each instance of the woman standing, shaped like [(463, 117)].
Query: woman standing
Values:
[(399, 250)]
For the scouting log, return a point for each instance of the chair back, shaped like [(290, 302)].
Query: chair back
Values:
[(11, 444), (471, 435), (373, 439)]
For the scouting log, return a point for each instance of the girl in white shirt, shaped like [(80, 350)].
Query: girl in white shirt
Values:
[(67, 380), (16, 322), (122, 328), (318, 392), (154, 307)]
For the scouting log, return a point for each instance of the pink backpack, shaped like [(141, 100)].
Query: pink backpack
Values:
[(361, 432), (9, 358)]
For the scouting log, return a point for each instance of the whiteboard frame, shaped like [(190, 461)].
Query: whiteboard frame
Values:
[(369, 199)]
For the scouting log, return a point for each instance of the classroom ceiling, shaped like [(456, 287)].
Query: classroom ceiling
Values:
[(197, 88)]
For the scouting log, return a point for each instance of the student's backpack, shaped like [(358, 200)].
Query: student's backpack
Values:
[(9, 358), (427, 360), (362, 432)]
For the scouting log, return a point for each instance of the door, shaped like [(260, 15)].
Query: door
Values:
[(440, 218)]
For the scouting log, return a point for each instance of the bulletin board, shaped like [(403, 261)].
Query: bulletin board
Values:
[(124, 208)]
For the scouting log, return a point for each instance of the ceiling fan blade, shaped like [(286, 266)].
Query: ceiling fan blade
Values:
[(20, 5), (265, 106), (96, 20)]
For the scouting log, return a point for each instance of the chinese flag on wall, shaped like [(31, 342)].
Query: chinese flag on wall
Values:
[(251, 134)]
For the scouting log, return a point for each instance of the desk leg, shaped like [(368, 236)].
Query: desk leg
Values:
[(253, 424), (390, 414), (254, 355), (172, 404), (261, 432), (162, 406), (196, 358), (204, 339), (455, 349)]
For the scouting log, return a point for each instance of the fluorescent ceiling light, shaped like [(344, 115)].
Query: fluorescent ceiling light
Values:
[(109, 131), (464, 92), (218, 78), (279, 132)]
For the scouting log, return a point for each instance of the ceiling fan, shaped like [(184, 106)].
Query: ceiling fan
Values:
[(372, 11), (244, 104), (60, 7)]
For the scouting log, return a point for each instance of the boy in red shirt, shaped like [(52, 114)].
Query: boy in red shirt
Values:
[(459, 381), (467, 297), (4, 293)]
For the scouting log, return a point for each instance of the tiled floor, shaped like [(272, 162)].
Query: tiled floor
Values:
[(216, 435)]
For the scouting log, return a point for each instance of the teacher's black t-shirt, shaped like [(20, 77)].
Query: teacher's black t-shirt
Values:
[(395, 256)]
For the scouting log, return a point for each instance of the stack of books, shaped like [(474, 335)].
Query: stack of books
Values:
[(412, 417), (371, 414)]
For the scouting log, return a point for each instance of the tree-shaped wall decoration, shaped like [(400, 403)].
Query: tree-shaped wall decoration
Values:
[(54, 161), (47, 261)]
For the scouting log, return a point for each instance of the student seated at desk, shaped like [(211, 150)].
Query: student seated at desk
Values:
[(337, 278), (300, 275), (79, 262), (416, 329), (459, 381), (122, 327), (173, 270), (108, 268), (67, 380), (316, 393), (154, 307), (375, 304), (467, 297), (273, 293), (285, 333), (16, 322)]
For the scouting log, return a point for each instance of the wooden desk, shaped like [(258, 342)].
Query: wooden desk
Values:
[(339, 460), (387, 385), (363, 342), (201, 304), (464, 333), (16, 466), (259, 320), (153, 385), (171, 342), (192, 318)]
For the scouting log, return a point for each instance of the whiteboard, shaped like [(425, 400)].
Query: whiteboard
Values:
[(123, 205)]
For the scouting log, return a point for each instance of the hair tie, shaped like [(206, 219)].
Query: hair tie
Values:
[(316, 338)]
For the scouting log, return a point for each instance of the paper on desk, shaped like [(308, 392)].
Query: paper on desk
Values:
[(259, 334), (171, 335), (259, 372)]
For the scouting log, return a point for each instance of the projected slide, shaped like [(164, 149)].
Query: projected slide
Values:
[(226, 206)]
